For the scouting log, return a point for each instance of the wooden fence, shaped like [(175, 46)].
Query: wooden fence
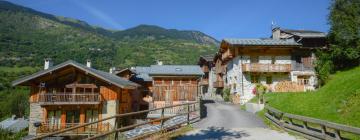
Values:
[(117, 129), (311, 128), (69, 98)]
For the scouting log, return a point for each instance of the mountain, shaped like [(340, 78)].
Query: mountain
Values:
[(28, 36), (156, 32)]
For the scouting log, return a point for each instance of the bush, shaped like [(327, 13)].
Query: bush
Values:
[(260, 91), (323, 67), (226, 94)]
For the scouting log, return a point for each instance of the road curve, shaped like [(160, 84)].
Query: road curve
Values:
[(226, 121)]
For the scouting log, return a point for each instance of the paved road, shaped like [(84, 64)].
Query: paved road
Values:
[(226, 121)]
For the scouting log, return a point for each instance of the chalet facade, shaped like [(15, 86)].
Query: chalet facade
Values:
[(71, 93), (164, 85), (282, 63), (207, 66)]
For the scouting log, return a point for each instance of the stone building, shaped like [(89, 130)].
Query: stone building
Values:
[(282, 63)]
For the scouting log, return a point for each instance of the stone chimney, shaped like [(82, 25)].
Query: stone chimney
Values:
[(276, 33), (88, 63), (48, 63), (112, 69), (159, 62)]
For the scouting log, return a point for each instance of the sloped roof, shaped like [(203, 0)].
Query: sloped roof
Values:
[(14, 125), (175, 70), (305, 33), (118, 81), (208, 58), (142, 74), (261, 42)]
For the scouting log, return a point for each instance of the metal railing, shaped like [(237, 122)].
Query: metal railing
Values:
[(310, 128), (69, 98), (117, 129), (258, 67)]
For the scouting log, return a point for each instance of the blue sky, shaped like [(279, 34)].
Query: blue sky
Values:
[(218, 18)]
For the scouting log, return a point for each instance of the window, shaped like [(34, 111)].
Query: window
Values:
[(303, 80), (72, 117), (273, 60), (54, 119), (269, 80), (254, 78), (254, 59), (298, 59), (91, 116)]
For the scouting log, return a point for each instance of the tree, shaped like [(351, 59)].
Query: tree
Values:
[(344, 35)]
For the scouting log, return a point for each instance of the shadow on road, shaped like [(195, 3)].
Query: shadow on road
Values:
[(215, 133), (203, 111)]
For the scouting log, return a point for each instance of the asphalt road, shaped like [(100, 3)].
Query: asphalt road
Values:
[(226, 121)]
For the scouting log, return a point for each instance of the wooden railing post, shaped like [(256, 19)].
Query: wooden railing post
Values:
[(162, 121), (116, 127), (323, 129), (337, 134), (188, 114)]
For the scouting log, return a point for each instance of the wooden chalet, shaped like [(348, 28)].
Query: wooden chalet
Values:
[(206, 64), (71, 93), (173, 84)]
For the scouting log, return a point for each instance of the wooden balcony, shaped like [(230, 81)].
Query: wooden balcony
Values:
[(204, 82), (87, 130), (69, 98), (257, 67), (218, 84)]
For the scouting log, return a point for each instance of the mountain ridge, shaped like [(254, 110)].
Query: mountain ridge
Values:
[(191, 35), (28, 36)]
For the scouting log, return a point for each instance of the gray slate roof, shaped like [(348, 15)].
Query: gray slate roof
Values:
[(142, 73), (261, 42), (118, 81), (208, 58), (175, 70), (14, 125), (305, 33)]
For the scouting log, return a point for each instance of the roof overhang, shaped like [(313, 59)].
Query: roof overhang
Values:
[(74, 64)]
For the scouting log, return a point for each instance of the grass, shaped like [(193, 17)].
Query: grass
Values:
[(338, 101)]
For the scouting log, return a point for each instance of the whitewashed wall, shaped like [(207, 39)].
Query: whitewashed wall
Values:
[(244, 87)]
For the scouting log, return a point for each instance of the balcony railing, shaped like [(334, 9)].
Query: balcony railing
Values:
[(257, 67), (218, 84), (91, 129), (69, 98), (204, 82)]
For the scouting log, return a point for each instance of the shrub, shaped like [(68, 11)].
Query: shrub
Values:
[(226, 94), (260, 91)]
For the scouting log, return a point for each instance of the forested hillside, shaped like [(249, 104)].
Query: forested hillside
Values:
[(28, 36)]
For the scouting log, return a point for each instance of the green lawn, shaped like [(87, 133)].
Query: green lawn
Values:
[(338, 101)]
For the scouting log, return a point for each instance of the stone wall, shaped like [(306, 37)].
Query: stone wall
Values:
[(36, 115), (110, 108), (240, 83)]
